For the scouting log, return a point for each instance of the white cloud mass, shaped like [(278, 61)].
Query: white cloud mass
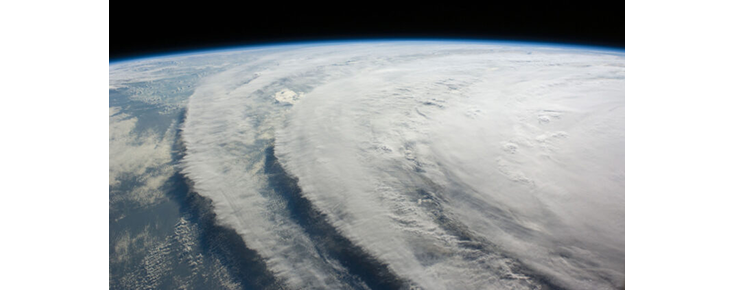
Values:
[(457, 165)]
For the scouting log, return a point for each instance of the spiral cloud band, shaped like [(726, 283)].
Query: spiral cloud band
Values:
[(428, 165)]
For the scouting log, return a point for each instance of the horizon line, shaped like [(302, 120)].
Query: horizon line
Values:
[(237, 47)]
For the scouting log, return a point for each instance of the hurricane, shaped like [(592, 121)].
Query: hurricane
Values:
[(370, 165)]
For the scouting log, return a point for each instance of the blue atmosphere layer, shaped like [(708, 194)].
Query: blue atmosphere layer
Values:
[(379, 40)]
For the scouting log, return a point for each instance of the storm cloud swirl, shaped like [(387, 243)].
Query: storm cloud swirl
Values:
[(426, 165)]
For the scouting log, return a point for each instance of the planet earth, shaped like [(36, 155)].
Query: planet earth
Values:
[(369, 165)]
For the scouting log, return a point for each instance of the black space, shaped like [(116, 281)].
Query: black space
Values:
[(139, 29)]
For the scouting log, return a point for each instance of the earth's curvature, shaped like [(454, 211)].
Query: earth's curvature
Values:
[(369, 165)]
